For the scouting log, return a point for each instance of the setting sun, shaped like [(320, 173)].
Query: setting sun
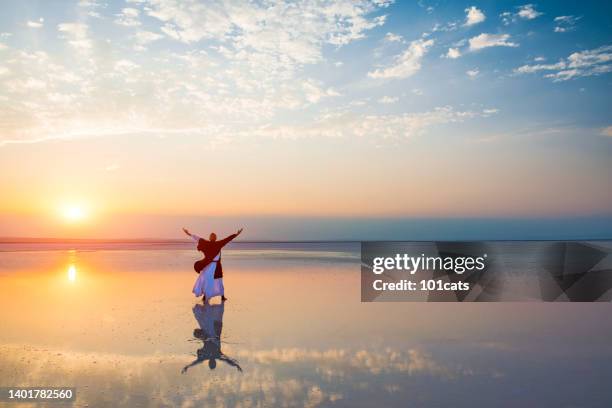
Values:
[(74, 213)]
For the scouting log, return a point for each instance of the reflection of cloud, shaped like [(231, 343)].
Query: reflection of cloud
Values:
[(412, 361), (266, 379)]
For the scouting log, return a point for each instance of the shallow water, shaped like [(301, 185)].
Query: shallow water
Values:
[(119, 326)]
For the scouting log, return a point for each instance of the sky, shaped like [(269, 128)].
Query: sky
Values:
[(116, 113)]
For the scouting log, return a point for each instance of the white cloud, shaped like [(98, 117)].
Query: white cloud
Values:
[(314, 91), (525, 12), (473, 73), (506, 17), (579, 64), (297, 31), (393, 37), (473, 16), (406, 64), (453, 53), (452, 26), (35, 24), (528, 12), (76, 34), (128, 17), (417, 92), (4, 71), (384, 127), (565, 23), (485, 40), (388, 99), (88, 3), (91, 6), (530, 69), (146, 37)]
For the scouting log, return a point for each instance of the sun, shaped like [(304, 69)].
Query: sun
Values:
[(74, 213)]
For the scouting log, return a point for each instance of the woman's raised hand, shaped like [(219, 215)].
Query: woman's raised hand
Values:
[(186, 232), (239, 231)]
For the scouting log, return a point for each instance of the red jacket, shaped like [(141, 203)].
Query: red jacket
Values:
[(211, 249)]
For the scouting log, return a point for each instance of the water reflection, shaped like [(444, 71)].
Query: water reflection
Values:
[(72, 271), (303, 335), (210, 320)]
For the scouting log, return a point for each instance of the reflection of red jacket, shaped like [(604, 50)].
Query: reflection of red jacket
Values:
[(211, 249)]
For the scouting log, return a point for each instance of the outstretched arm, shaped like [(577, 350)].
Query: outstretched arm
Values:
[(192, 236), (226, 240), (195, 362), (230, 361)]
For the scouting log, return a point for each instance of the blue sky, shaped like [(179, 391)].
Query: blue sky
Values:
[(346, 108)]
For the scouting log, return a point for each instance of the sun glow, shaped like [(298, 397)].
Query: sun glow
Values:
[(72, 271), (74, 213)]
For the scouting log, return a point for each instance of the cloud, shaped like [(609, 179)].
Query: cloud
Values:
[(453, 53), (393, 37), (473, 16), (76, 34), (234, 87), (473, 73), (314, 92), (378, 127), (607, 131), (525, 12), (528, 12), (565, 23), (485, 40), (579, 64), (388, 99), (297, 31), (406, 64), (91, 6), (35, 24), (145, 37), (451, 26), (128, 17)]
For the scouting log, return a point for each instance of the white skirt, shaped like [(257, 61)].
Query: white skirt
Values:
[(206, 284)]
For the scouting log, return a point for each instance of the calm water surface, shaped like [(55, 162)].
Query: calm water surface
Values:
[(123, 328)]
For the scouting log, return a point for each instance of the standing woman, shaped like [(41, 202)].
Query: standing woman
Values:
[(210, 281)]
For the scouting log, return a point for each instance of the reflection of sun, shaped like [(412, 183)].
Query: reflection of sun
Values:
[(74, 213), (72, 273)]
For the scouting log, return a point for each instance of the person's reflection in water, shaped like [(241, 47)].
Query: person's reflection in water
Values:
[(210, 319)]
